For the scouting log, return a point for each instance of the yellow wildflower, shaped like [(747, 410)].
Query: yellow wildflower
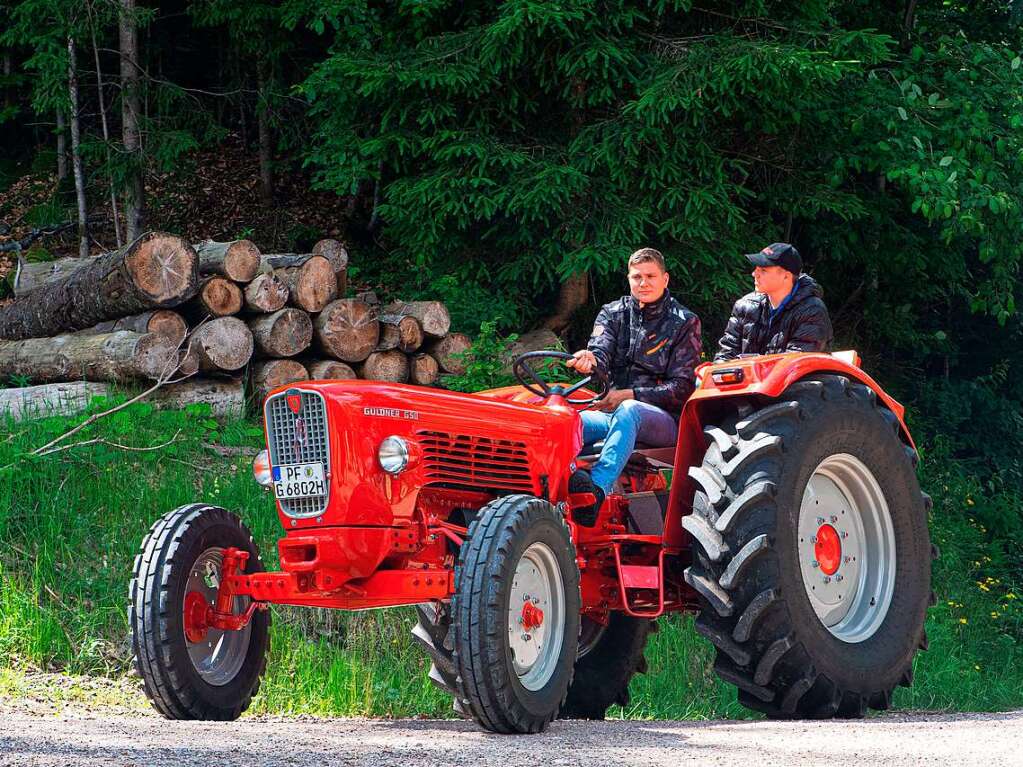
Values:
[(963, 621), (969, 501), (994, 614), (1010, 595), (976, 667)]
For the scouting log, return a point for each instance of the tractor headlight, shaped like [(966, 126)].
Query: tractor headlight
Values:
[(393, 455), (261, 469)]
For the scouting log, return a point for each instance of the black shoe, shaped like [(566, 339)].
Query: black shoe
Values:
[(582, 482)]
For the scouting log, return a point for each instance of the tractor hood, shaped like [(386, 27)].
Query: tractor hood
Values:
[(457, 441)]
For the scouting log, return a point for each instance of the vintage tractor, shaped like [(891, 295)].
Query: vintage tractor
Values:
[(788, 517)]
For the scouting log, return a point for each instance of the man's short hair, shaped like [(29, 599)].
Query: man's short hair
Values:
[(643, 255)]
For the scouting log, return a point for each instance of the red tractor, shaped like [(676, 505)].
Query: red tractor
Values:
[(794, 527)]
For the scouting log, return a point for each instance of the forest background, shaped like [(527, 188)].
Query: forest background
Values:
[(505, 157)]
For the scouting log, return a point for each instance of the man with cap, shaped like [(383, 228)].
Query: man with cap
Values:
[(784, 313)]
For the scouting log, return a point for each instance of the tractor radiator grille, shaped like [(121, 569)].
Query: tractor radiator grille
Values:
[(475, 463), (285, 449)]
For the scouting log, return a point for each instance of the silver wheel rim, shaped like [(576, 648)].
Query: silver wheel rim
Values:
[(219, 656), (846, 544), (590, 634), (536, 585)]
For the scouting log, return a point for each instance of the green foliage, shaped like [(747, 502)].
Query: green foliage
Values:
[(486, 362)]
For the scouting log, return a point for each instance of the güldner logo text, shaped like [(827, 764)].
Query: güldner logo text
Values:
[(391, 412)]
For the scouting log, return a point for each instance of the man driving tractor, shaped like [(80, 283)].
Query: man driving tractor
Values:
[(649, 345)]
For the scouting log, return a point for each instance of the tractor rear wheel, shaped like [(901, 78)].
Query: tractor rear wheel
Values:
[(506, 645), (812, 553), (189, 671), (609, 657)]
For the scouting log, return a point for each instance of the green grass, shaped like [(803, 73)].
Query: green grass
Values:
[(71, 523)]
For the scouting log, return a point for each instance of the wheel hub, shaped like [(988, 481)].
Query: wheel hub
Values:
[(846, 548), (196, 617), (532, 616), (828, 549)]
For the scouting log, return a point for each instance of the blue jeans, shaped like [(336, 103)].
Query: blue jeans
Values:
[(631, 421)]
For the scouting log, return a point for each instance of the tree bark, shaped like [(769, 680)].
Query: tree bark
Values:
[(120, 356), (163, 322), (237, 260), (266, 178), (432, 315), (131, 111), (222, 344), (106, 132), (335, 252), (447, 352), (386, 366), (76, 150), (155, 271), (399, 331), (266, 293), (329, 370), (574, 293), (282, 334), (267, 375), (423, 370), (309, 278), (226, 397), (61, 147), (347, 330), (218, 297), (50, 399)]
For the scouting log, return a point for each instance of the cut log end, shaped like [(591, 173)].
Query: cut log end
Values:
[(241, 261), (222, 344), (282, 334), (266, 293), (449, 352), (386, 366), (221, 297), (316, 285), (423, 370), (347, 329), (267, 375), (329, 370), (163, 267)]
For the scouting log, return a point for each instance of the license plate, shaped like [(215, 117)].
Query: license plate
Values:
[(299, 480)]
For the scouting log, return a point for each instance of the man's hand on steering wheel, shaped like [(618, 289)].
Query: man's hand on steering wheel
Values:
[(583, 361), (533, 383)]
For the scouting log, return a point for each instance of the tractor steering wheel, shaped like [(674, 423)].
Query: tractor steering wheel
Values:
[(532, 382)]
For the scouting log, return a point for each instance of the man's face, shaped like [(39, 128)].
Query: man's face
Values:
[(771, 279), (647, 282)]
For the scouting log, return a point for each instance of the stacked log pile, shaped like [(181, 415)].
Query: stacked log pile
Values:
[(212, 313)]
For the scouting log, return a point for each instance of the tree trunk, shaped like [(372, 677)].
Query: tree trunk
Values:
[(61, 147), (76, 150), (328, 370), (267, 375), (533, 341), (282, 334), (574, 293), (106, 134), (310, 279), (218, 297), (120, 356), (163, 322), (386, 366), (399, 332), (423, 370), (448, 350), (226, 397), (266, 178), (222, 344), (266, 293), (237, 260), (155, 271), (347, 330), (432, 315), (335, 252), (50, 399), (131, 111)]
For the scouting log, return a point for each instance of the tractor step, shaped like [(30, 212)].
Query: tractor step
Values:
[(640, 578)]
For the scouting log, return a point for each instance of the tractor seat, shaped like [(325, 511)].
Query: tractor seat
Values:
[(652, 458)]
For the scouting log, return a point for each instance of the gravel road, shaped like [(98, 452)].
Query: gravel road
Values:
[(76, 735)]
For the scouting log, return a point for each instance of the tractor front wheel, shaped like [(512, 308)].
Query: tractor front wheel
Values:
[(813, 559), (506, 646), (189, 670)]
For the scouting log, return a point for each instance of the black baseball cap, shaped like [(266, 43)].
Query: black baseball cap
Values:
[(778, 254)]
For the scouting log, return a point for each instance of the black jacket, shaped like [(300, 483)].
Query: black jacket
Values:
[(652, 350), (802, 325)]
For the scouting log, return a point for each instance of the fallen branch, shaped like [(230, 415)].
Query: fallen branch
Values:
[(101, 441)]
